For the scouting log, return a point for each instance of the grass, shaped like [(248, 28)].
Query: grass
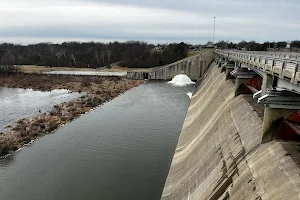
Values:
[(117, 68), (41, 69), (193, 53)]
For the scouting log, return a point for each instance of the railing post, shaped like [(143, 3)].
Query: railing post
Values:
[(283, 65)]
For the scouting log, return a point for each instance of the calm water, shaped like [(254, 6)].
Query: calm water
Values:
[(121, 150), (20, 103)]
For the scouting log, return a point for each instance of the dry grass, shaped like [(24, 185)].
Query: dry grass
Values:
[(42, 69), (117, 68), (193, 53)]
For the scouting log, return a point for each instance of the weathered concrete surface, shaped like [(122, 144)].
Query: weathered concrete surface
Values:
[(219, 155), (194, 67)]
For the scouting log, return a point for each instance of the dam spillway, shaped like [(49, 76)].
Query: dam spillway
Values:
[(219, 154)]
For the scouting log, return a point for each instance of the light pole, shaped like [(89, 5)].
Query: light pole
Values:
[(214, 30)]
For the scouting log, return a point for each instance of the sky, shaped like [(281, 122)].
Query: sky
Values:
[(153, 21)]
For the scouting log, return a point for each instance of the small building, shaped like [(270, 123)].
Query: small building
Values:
[(210, 45)]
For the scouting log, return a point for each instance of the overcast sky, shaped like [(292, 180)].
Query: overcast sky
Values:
[(156, 21)]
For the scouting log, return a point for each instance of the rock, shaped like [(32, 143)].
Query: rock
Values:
[(7, 126)]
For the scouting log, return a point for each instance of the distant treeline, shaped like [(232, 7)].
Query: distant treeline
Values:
[(158, 57), (254, 46), (94, 55), (8, 69)]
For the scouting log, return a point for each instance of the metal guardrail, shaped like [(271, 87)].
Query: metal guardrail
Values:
[(281, 64)]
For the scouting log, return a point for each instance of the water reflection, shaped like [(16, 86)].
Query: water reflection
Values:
[(4, 162), (121, 150), (22, 103)]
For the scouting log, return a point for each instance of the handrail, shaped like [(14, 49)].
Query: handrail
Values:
[(282, 64)]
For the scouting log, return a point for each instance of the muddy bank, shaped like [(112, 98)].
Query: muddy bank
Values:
[(97, 91)]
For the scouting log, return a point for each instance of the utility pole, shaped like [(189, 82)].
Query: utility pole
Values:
[(214, 30)]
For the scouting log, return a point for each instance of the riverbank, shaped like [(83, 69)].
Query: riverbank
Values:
[(97, 90)]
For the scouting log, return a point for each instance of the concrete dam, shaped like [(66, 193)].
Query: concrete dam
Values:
[(221, 153), (194, 67)]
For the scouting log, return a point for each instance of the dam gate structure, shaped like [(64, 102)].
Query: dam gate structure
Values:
[(240, 137), (272, 77)]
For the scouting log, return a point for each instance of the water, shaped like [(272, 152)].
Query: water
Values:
[(121, 150), (20, 103), (89, 73)]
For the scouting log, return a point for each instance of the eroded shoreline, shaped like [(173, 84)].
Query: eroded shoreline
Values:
[(98, 91)]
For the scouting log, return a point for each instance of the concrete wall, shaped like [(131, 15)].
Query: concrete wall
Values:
[(219, 154), (194, 67), (137, 75)]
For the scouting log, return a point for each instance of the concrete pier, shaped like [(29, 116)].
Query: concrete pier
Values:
[(267, 83), (241, 146), (220, 154)]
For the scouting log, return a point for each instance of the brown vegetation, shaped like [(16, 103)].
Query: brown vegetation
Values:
[(98, 90), (43, 69), (7, 69)]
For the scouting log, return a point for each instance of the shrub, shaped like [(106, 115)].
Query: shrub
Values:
[(8, 69)]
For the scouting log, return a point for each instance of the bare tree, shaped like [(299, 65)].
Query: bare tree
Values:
[(108, 57), (58, 54), (97, 57), (103, 56), (64, 52), (40, 56), (52, 49), (8, 57), (73, 58)]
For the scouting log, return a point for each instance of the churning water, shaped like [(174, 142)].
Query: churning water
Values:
[(181, 80), (190, 94), (120, 151)]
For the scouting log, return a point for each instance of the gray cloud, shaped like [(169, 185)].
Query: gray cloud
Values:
[(156, 21)]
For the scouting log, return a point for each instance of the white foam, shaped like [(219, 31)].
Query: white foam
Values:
[(190, 94), (181, 80)]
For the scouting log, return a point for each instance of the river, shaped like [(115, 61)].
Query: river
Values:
[(120, 150)]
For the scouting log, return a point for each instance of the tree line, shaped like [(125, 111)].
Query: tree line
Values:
[(158, 57), (91, 54), (255, 46)]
